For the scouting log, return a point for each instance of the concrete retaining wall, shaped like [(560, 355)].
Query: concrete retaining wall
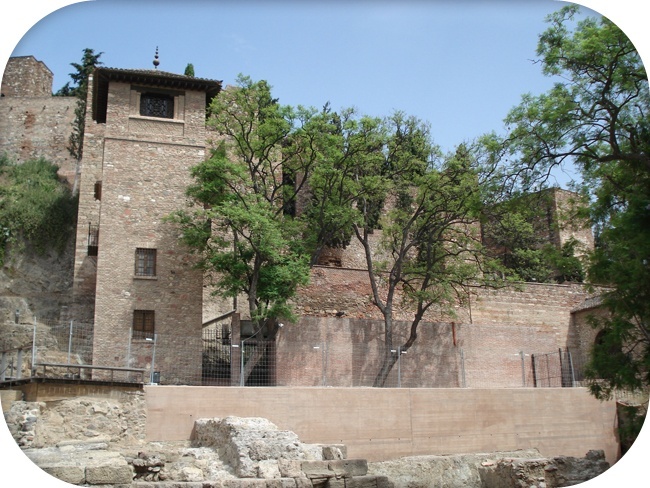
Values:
[(381, 424)]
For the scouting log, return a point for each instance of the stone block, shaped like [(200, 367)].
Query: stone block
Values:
[(268, 469), (70, 474), (332, 452), (317, 469), (335, 483), (361, 482), (289, 468), (303, 482), (245, 483), (346, 468), (109, 474), (384, 482), (281, 483)]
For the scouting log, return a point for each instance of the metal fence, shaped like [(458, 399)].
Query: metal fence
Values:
[(214, 359), (556, 369)]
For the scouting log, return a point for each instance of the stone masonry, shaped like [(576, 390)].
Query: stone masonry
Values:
[(33, 123)]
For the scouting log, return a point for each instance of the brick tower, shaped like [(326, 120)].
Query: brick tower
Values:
[(145, 129)]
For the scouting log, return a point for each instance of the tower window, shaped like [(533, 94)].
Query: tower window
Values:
[(145, 262), (157, 105), (144, 324)]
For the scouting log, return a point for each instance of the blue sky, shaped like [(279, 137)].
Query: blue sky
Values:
[(460, 65)]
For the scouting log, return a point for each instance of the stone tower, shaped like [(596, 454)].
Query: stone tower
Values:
[(145, 129)]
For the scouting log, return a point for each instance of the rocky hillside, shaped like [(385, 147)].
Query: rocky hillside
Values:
[(38, 287)]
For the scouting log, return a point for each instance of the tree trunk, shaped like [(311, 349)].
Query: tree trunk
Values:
[(390, 358), (253, 360)]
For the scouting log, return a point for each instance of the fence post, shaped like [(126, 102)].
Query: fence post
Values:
[(523, 369), (399, 366), (562, 382), (324, 356), (242, 379), (573, 375), (19, 371), (462, 368), (128, 348), (34, 349), (153, 359), (3, 366), (532, 360), (70, 341)]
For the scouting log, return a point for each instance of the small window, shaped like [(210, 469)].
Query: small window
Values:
[(98, 190), (93, 240), (144, 324), (145, 262), (157, 105)]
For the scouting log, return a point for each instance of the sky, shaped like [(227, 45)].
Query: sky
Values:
[(460, 65)]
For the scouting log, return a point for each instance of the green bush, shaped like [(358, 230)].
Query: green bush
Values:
[(35, 207)]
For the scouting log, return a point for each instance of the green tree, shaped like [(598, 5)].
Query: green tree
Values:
[(35, 207), (189, 70), (346, 143), (597, 118), (83, 70), (240, 225), (428, 249), (517, 233)]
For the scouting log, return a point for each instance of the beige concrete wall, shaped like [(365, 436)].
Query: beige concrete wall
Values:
[(380, 424)]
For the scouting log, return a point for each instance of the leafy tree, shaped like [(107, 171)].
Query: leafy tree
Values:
[(428, 248), (79, 77), (345, 144), (240, 226), (517, 232), (35, 207), (189, 70), (597, 118)]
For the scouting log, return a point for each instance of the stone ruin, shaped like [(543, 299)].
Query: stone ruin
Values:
[(256, 448)]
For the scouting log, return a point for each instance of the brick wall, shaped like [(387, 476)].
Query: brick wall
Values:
[(488, 343)]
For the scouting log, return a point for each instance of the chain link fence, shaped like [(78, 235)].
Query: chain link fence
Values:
[(61, 350)]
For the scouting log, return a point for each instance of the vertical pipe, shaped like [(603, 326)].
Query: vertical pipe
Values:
[(523, 369), (561, 368), (532, 360)]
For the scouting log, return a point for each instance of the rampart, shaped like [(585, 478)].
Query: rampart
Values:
[(33, 123)]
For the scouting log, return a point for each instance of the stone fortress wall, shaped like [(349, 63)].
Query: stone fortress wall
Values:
[(33, 123), (136, 153)]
